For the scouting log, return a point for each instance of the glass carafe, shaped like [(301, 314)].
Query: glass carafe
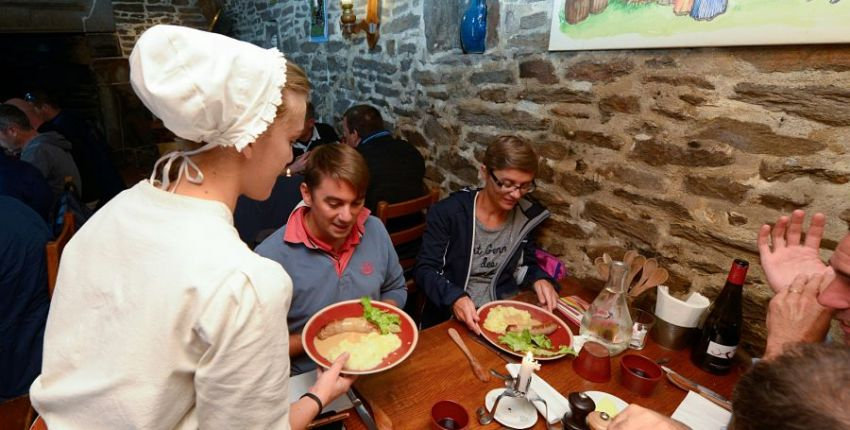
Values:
[(607, 321)]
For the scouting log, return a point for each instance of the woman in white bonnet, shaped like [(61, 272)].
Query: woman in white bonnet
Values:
[(162, 318)]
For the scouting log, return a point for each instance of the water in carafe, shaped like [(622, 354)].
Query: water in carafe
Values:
[(607, 321)]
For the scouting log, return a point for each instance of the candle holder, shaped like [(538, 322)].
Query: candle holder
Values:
[(349, 25), (520, 387)]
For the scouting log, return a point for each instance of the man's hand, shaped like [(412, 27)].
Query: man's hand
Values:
[(794, 314), (547, 297), (636, 417), (329, 383), (787, 257), (464, 310)]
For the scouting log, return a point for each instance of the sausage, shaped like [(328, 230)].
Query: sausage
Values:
[(546, 329), (346, 325)]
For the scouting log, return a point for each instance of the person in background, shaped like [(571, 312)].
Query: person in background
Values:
[(397, 168), (23, 296), (314, 135), (331, 247), (807, 386), (48, 152), (478, 243), (90, 151), (22, 181), (161, 317)]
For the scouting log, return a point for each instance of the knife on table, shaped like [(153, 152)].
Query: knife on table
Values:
[(362, 411), (690, 385), (492, 348)]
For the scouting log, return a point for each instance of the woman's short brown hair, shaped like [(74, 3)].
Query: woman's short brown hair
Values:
[(511, 152), (337, 161)]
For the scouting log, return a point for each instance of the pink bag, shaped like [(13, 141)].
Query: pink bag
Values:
[(551, 264)]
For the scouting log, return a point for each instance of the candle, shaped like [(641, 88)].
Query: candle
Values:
[(346, 2), (526, 369)]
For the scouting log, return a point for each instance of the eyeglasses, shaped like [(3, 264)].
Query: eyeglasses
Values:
[(508, 187)]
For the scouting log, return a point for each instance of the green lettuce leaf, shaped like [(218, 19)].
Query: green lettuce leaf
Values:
[(385, 321), (537, 344)]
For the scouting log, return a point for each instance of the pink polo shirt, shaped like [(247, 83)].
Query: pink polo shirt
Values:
[(296, 232)]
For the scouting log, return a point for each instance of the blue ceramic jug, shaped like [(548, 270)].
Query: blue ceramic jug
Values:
[(473, 27)]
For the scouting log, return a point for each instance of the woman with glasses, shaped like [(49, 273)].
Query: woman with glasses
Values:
[(477, 245)]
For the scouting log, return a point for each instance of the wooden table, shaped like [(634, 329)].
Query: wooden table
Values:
[(438, 370)]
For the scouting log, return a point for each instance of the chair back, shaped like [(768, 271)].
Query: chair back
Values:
[(54, 250), (387, 211), (17, 413), (38, 424)]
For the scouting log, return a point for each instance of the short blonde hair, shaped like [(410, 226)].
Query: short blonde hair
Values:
[(337, 161), (511, 152), (296, 82)]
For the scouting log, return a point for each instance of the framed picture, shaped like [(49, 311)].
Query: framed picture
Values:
[(628, 24), (318, 21)]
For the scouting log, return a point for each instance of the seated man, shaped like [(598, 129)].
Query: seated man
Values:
[(314, 135), (331, 247), (48, 152), (88, 147), (23, 296), (395, 166), (477, 246), (24, 182)]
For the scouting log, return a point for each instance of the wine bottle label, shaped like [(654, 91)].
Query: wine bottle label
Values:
[(721, 351)]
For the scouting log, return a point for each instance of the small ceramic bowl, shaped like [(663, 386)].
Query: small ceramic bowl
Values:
[(639, 374), (448, 415)]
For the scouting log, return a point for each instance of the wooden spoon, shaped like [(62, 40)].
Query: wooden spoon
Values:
[(601, 267), (629, 256), (634, 268), (607, 258), (649, 267), (659, 277), (476, 366)]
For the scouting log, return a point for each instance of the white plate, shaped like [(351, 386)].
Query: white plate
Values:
[(601, 396), (513, 412)]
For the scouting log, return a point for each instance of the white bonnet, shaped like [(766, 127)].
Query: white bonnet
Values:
[(207, 87)]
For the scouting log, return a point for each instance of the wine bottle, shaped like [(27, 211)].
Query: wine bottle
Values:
[(721, 332)]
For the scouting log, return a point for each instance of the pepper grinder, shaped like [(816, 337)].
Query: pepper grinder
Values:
[(580, 406)]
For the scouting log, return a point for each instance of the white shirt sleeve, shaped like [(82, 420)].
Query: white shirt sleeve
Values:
[(242, 379)]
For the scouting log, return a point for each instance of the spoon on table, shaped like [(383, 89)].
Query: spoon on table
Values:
[(479, 371)]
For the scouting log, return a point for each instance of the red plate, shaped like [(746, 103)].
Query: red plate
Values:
[(352, 308), (561, 336)]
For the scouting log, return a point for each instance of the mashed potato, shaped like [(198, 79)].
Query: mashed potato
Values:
[(367, 349), (500, 317)]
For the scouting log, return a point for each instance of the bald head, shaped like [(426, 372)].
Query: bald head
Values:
[(28, 110)]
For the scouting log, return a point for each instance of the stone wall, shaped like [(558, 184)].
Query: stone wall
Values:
[(133, 17), (681, 154)]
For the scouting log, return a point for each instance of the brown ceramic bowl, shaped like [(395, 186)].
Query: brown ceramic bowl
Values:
[(593, 362), (639, 374), (448, 415)]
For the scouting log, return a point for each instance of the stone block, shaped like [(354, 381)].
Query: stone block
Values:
[(563, 230), (715, 239), (372, 65), (439, 95), (545, 173), (387, 91), (552, 150), (786, 169), (662, 62), (542, 70), (495, 95), (786, 201), (736, 219), (128, 7), (570, 111), (599, 71), (536, 42), (439, 135), (611, 104), (707, 154), (640, 178), (588, 137), (718, 187), (802, 58), (506, 118), (578, 185), (492, 77), (542, 94), (680, 81), (675, 210), (427, 77), (619, 223), (534, 21), (407, 48), (756, 138), (416, 139), (451, 161), (826, 104), (692, 99), (398, 25), (434, 174)]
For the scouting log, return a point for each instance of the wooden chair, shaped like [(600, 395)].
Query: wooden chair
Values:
[(54, 250), (17, 413), (38, 424), (387, 211)]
